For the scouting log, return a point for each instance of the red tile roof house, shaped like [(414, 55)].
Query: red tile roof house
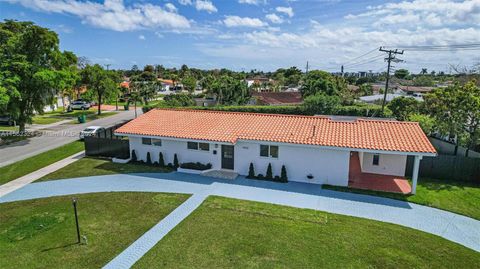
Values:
[(314, 149)]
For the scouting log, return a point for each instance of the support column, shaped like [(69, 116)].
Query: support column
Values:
[(416, 167)]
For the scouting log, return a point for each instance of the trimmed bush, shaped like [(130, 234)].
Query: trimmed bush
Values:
[(269, 174), (283, 175), (251, 171), (170, 165), (161, 161), (196, 166), (277, 179), (175, 161), (149, 159), (134, 156), (260, 176)]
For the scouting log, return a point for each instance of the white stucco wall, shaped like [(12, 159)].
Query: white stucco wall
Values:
[(170, 147), (327, 166), (389, 164)]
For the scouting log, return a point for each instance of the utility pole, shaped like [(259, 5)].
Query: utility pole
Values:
[(391, 56), (306, 72), (108, 66), (342, 70)]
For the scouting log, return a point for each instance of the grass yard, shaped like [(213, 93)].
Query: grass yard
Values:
[(45, 119), (95, 166), (228, 233), (459, 197), (23, 167), (8, 128), (41, 233)]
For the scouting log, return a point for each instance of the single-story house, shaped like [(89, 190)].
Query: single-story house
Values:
[(314, 149)]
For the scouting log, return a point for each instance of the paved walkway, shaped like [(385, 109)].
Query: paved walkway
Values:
[(456, 228), (29, 178)]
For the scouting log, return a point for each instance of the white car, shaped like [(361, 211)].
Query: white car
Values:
[(90, 131), (80, 104)]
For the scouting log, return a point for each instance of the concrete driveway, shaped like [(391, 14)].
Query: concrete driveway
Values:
[(453, 227)]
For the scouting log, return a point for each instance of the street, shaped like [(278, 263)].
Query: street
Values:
[(56, 136)]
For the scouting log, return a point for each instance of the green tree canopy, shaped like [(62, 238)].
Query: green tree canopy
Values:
[(101, 83), (401, 73), (31, 65), (322, 82), (402, 107), (321, 104), (230, 91)]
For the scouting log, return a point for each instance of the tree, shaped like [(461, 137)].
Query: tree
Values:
[(283, 175), (230, 91), (145, 85), (269, 174), (321, 104), (319, 81), (365, 89), (251, 171), (426, 122), (402, 107), (101, 83), (425, 81), (401, 73), (30, 64), (179, 100), (189, 83), (469, 105)]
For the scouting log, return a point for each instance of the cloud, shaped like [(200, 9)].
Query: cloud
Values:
[(274, 18), (236, 21), (430, 13), (141, 37), (170, 7), (112, 14), (185, 2), (250, 2), (205, 5), (285, 10)]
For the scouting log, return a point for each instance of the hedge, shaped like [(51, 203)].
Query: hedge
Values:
[(361, 110)]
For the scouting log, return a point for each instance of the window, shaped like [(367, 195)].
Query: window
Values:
[(192, 145), (198, 146), (156, 142), (204, 146), (376, 159), (269, 151), (146, 141)]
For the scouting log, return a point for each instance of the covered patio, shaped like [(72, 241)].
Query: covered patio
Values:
[(376, 182)]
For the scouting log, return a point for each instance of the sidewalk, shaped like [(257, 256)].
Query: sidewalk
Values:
[(36, 127), (29, 178)]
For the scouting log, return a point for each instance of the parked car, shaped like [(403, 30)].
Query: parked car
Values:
[(80, 104), (6, 119), (90, 131)]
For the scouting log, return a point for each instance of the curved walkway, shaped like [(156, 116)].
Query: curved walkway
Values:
[(454, 227)]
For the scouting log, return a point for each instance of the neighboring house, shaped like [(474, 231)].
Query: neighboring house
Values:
[(313, 149), (205, 102), (376, 98), (277, 98)]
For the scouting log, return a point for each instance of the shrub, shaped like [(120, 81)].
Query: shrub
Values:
[(170, 165), (260, 176), (196, 166), (251, 171), (134, 156), (175, 161), (149, 159), (283, 175), (161, 161), (277, 179), (269, 174)]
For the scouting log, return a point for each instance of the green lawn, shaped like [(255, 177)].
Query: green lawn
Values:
[(45, 119), (59, 115), (23, 167), (459, 197), (8, 128), (41, 233), (228, 233), (96, 166)]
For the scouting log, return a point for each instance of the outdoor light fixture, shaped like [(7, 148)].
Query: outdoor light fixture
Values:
[(74, 202)]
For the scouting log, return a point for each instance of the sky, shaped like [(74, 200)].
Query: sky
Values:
[(258, 34)]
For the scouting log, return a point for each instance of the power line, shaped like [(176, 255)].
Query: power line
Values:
[(366, 61), (365, 54)]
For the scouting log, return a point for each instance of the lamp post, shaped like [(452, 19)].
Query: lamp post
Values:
[(74, 201)]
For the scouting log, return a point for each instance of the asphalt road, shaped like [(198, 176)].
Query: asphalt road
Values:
[(55, 137)]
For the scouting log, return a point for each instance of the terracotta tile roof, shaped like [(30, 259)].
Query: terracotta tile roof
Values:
[(310, 130), (279, 98)]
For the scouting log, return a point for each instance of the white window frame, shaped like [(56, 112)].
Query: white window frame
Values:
[(269, 151), (198, 146)]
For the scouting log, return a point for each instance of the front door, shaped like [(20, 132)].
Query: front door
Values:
[(227, 157)]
